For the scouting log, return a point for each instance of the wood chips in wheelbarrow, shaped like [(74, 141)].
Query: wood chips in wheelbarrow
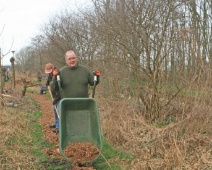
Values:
[(80, 152)]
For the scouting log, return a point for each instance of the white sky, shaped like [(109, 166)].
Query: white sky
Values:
[(22, 19)]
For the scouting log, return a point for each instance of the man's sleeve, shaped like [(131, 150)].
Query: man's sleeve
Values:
[(48, 79), (54, 85)]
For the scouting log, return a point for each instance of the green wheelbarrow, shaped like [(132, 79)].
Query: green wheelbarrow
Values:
[(79, 122)]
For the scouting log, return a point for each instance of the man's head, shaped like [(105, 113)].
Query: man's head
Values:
[(71, 59), (48, 68)]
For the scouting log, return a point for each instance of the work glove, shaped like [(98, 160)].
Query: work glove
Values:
[(55, 72), (97, 73)]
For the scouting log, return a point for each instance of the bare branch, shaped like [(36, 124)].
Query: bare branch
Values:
[(2, 30), (3, 55)]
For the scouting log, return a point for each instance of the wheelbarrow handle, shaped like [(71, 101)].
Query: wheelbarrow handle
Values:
[(94, 86), (95, 78), (58, 77), (59, 84)]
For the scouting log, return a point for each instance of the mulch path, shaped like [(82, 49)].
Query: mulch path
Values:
[(77, 152)]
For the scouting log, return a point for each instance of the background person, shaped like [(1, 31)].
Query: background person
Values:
[(49, 68)]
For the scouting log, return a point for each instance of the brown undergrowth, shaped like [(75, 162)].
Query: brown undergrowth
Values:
[(182, 143), (16, 141)]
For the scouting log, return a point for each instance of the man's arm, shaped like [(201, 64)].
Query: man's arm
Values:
[(54, 85), (48, 79)]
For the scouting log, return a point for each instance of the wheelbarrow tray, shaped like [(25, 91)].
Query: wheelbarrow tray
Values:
[(79, 122), (43, 88)]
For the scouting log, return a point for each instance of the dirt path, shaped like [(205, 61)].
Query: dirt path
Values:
[(47, 119)]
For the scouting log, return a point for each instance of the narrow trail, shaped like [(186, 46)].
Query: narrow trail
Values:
[(45, 120)]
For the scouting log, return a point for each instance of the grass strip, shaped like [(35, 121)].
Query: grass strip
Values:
[(108, 153)]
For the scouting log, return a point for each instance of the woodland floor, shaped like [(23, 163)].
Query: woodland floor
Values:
[(181, 144)]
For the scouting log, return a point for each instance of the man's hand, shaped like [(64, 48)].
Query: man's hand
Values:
[(55, 72), (97, 72)]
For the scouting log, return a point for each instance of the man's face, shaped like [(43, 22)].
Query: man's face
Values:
[(71, 60)]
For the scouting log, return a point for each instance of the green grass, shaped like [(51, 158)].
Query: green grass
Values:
[(48, 96), (168, 119), (195, 93), (109, 153), (38, 140), (28, 90)]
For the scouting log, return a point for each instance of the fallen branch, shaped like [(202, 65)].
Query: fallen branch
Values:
[(6, 95), (11, 104)]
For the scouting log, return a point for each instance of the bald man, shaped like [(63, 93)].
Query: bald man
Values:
[(74, 77)]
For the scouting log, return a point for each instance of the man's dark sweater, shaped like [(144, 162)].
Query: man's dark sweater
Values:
[(74, 82)]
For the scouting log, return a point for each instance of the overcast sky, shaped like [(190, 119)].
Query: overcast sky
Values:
[(20, 20)]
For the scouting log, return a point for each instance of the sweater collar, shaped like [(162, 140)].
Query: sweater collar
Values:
[(73, 68)]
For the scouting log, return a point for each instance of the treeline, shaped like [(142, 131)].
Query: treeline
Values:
[(148, 50)]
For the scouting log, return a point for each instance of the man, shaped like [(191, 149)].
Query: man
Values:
[(74, 78), (49, 68)]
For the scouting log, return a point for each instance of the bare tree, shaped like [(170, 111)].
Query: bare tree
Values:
[(148, 50)]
